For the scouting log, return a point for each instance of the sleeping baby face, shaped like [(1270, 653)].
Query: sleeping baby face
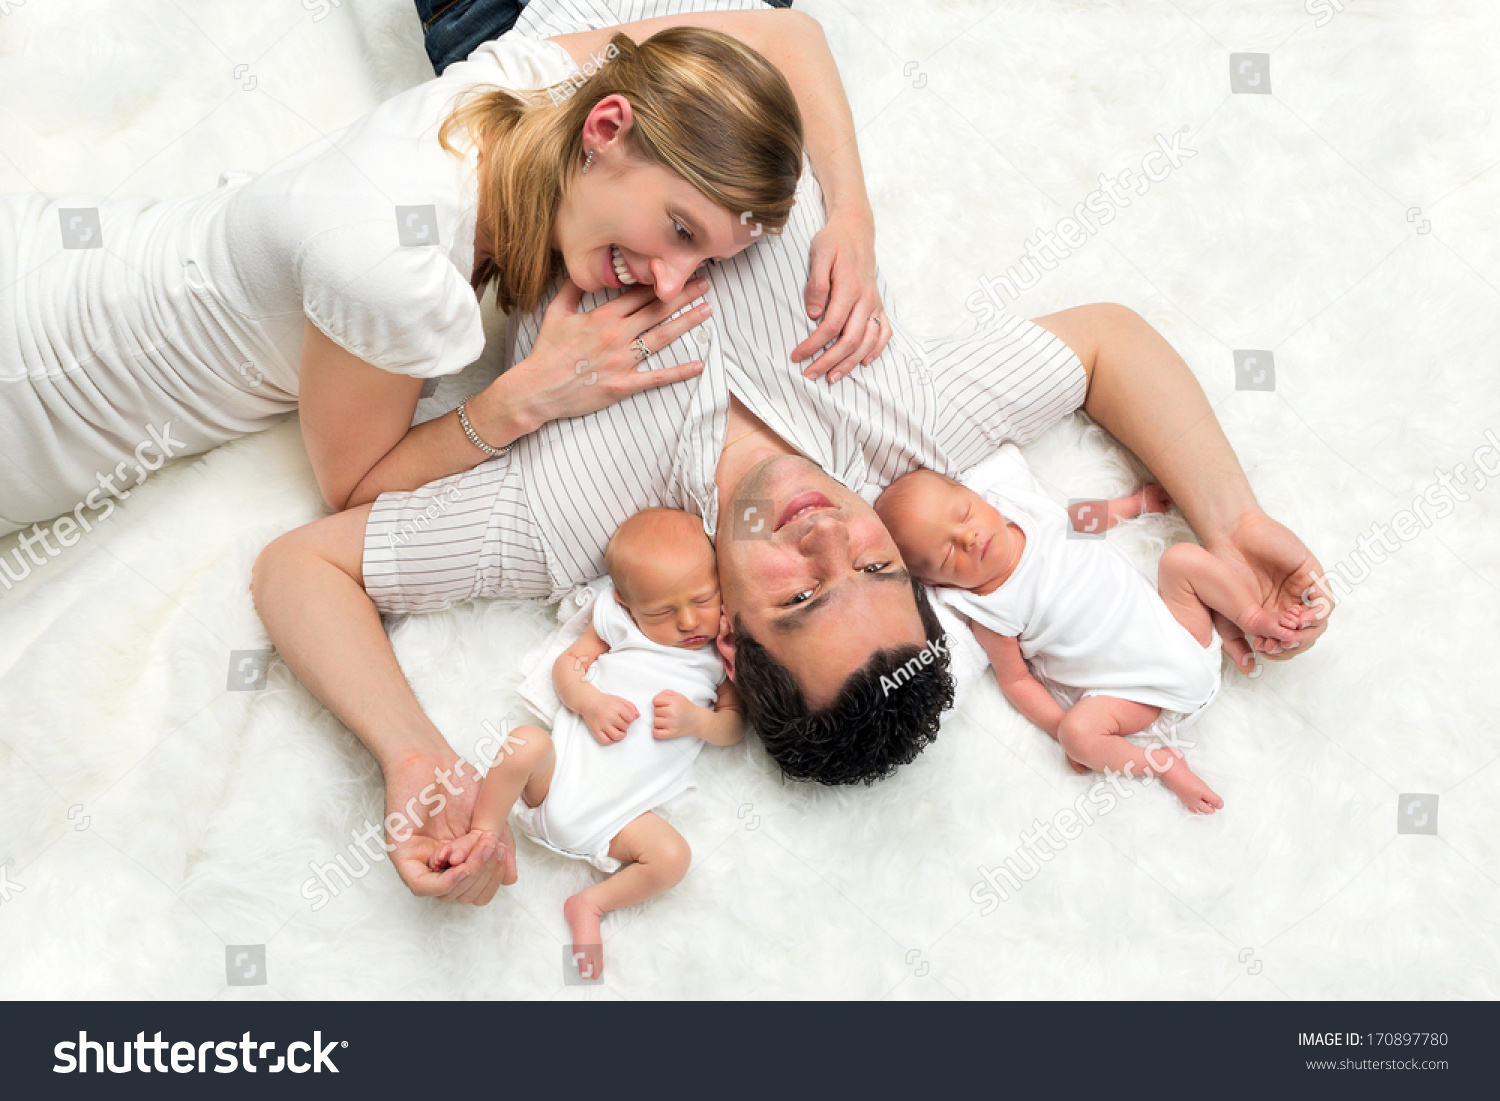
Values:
[(948, 534), (666, 577)]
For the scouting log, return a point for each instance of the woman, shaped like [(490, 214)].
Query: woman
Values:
[(342, 277)]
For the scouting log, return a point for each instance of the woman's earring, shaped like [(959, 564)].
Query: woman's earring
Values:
[(588, 161)]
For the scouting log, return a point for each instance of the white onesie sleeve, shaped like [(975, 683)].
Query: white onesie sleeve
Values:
[(405, 309)]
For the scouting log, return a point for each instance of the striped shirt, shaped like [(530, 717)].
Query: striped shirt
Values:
[(533, 523)]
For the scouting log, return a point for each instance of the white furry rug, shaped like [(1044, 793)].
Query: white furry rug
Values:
[(1345, 222)]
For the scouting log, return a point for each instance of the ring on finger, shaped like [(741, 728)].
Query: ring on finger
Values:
[(641, 351)]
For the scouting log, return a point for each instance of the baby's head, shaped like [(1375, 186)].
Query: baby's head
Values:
[(947, 533), (666, 577)]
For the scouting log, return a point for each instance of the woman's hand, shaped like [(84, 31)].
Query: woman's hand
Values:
[(584, 361), (1283, 574), (842, 297)]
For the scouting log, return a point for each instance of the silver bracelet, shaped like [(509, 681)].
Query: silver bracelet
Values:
[(463, 420)]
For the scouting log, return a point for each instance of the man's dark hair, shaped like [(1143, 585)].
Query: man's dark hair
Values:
[(884, 715)]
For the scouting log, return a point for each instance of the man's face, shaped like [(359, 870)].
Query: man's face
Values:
[(813, 575)]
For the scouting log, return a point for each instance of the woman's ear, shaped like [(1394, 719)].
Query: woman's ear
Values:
[(605, 128)]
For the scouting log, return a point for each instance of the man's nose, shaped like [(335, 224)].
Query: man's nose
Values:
[(670, 276), (826, 536)]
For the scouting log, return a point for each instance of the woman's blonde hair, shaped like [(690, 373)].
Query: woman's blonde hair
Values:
[(704, 106)]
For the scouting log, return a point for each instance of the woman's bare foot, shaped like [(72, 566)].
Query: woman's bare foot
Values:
[(588, 951), (1184, 783)]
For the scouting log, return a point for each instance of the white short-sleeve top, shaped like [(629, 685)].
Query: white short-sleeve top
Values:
[(124, 321), (370, 232)]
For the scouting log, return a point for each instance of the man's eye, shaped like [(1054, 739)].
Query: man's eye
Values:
[(802, 597), (876, 567)]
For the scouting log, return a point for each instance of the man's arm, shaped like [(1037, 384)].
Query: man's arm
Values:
[(1142, 392), (308, 589)]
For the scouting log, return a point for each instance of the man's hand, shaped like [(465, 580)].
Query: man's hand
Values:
[(842, 297), (609, 718), (1280, 570), (434, 799)]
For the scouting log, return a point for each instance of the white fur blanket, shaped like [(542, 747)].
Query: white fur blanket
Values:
[(1345, 222)]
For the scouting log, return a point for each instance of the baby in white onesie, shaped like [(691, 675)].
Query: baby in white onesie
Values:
[(1108, 656), (643, 689)]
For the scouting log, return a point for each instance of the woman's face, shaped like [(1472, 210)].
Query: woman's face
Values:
[(627, 223)]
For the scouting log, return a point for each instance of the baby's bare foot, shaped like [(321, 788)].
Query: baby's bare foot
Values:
[(1154, 499), (1282, 626), (507, 854), (1184, 783), (588, 951), (1078, 766)]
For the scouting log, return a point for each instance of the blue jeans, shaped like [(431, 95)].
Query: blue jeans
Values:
[(453, 29)]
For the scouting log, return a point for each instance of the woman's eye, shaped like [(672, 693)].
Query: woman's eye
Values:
[(682, 232), (802, 597), (875, 567)]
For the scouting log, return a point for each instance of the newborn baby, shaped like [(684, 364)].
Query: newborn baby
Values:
[(1110, 656), (643, 689)]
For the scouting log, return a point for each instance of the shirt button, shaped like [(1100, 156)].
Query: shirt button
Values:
[(704, 335)]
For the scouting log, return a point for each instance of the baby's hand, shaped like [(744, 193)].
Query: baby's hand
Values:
[(457, 851), (610, 718), (676, 716)]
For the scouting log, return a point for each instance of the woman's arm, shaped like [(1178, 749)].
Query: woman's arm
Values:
[(356, 418), (841, 290)]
